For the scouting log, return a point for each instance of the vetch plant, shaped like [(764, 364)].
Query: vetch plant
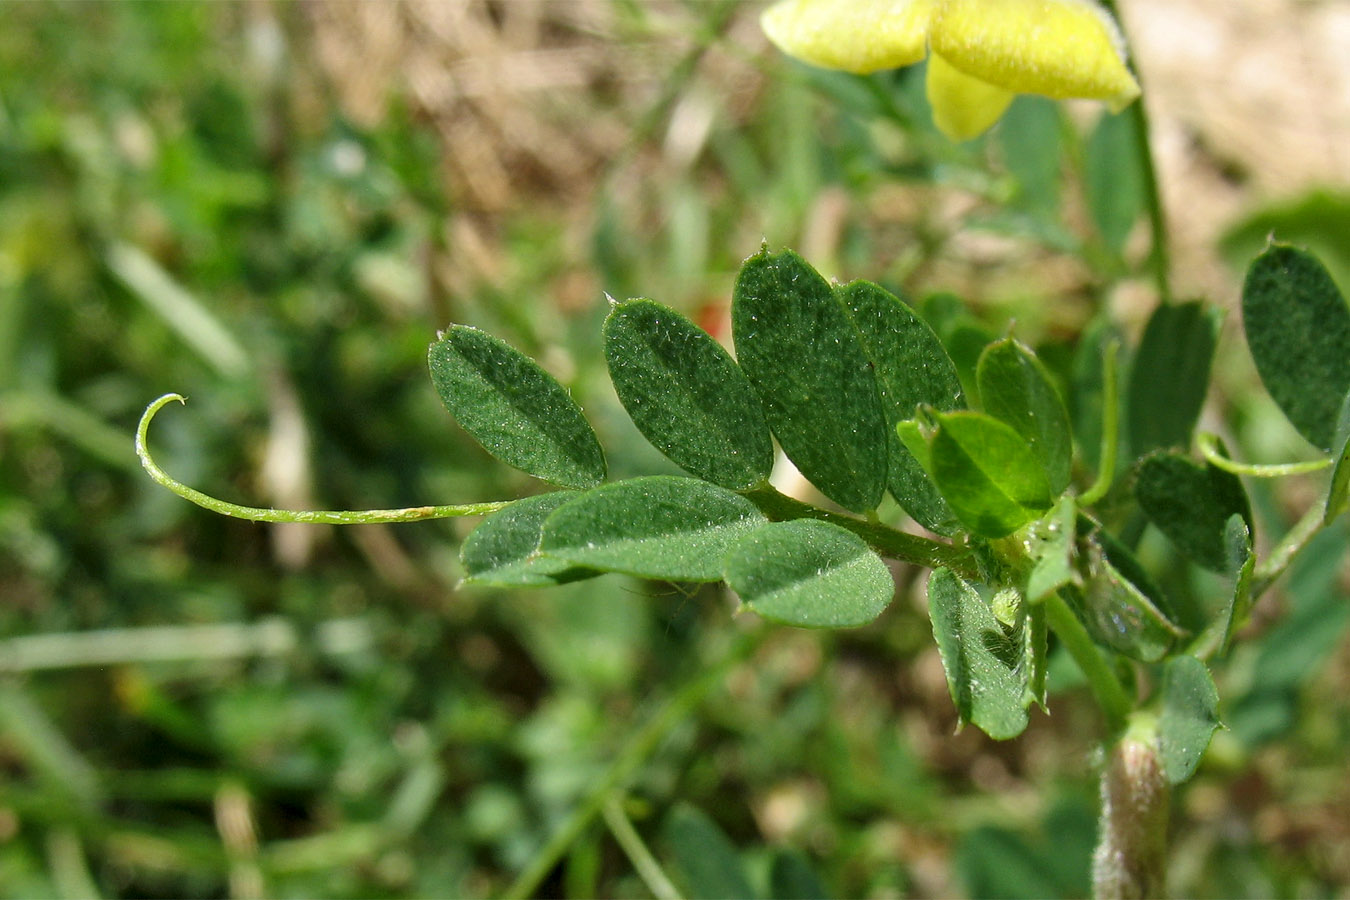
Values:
[(865, 400), (1032, 518)]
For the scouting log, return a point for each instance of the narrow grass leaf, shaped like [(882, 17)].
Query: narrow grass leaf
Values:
[(1016, 388), (994, 861), (184, 313), (912, 368), (686, 395), (1191, 504), (516, 410), (1170, 376), (1297, 648), (981, 661), (819, 390), (659, 526), (501, 551), (988, 473), (1298, 329), (809, 573), (1112, 180), (1190, 716)]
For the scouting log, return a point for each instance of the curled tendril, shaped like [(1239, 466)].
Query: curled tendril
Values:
[(1210, 450), (308, 516)]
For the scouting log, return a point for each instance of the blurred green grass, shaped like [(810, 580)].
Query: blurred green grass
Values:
[(194, 706)]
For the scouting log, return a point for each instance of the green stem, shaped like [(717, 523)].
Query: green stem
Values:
[(1280, 558), (1106, 459), (1106, 687), (634, 753), (1209, 449), (68, 864), (910, 548), (1160, 255), (648, 869), (307, 516)]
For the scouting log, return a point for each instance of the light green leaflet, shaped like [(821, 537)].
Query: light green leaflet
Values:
[(1016, 389), (986, 471)]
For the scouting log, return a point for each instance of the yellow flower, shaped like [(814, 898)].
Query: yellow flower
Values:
[(981, 52)]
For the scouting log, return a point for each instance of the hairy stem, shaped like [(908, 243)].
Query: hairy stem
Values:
[(307, 516), (1131, 856)]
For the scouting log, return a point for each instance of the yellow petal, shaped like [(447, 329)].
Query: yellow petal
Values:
[(963, 106), (1059, 48), (854, 35)]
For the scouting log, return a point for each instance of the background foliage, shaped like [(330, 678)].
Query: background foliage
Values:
[(229, 201)]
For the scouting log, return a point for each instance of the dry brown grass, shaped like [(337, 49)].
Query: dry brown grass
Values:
[(534, 99)]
